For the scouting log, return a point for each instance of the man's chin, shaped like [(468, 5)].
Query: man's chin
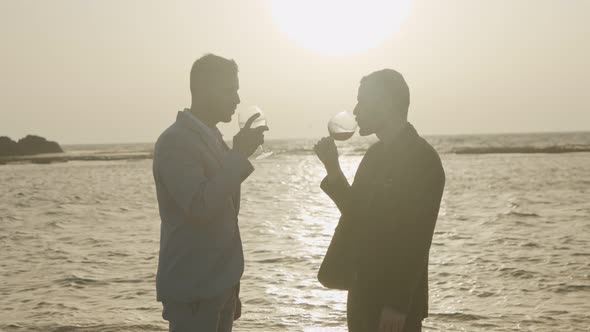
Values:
[(364, 132), (228, 118)]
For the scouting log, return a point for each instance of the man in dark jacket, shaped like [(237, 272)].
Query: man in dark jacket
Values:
[(389, 212)]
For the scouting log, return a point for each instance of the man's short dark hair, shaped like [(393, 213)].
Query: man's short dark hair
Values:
[(393, 84), (208, 68)]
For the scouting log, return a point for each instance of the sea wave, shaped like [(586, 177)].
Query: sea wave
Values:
[(520, 149), (458, 316), (77, 281), (81, 328)]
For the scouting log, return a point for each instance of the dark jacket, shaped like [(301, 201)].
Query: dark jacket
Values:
[(388, 219)]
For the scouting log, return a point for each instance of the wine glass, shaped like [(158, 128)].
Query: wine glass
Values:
[(342, 126), (247, 113)]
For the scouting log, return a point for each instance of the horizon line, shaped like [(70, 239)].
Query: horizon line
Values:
[(311, 138)]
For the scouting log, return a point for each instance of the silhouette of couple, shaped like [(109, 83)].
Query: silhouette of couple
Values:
[(379, 251)]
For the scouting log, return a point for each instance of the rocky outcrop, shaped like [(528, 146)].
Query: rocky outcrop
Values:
[(8, 147), (30, 145)]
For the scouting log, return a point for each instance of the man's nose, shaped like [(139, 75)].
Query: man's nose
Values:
[(238, 100), (356, 110)]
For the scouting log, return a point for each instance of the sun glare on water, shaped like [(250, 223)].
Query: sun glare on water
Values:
[(339, 27)]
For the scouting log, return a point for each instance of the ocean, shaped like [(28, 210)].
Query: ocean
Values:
[(79, 237)]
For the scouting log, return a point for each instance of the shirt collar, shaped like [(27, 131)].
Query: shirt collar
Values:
[(212, 132)]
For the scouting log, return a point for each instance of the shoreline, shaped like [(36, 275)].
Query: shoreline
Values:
[(50, 159)]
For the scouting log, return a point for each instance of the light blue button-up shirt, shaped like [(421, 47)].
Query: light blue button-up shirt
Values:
[(198, 189)]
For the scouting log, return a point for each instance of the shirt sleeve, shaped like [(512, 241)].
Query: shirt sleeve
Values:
[(338, 189)]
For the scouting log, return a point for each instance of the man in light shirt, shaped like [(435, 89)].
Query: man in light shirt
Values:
[(198, 179)]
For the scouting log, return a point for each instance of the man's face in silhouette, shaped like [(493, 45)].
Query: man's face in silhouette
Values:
[(223, 97), (372, 110)]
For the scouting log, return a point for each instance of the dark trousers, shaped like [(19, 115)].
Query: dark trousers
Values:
[(363, 314), (214, 314)]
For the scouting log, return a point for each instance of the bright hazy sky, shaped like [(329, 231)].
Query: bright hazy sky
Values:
[(82, 71)]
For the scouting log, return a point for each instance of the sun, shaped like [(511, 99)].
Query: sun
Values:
[(339, 27)]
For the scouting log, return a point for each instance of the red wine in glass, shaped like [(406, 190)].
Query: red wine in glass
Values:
[(342, 126)]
